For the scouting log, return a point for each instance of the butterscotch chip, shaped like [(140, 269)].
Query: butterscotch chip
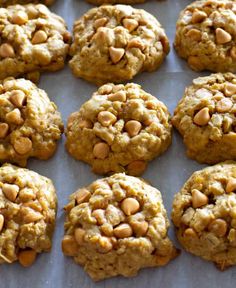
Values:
[(114, 43), (32, 39), (127, 128), (231, 185), (18, 98), (202, 117), (39, 37), (112, 238), (222, 36), (1, 222), (116, 54), (28, 203), (14, 117), (69, 245), (101, 150), (205, 36), (23, 145), (130, 24), (7, 51), (27, 257), (79, 236), (30, 124), (19, 17), (206, 118), (82, 196), (10, 191), (207, 229), (3, 130)]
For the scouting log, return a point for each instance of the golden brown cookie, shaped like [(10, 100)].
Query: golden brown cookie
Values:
[(206, 35), (116, 226), (114, 43), (30, 124), (119, 129), (204, 213), (33, 40), (205, 117), (28, 205), (4, 3)]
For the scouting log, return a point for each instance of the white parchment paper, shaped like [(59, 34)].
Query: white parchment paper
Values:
[(168, 173)]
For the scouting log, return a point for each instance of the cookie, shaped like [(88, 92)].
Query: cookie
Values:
[(205, 117), (27, 215), (206, 35), (4, 3), (30, 124), (100, 2), (119, 129), (33, 40), (114, 43), (204, 213), (116, 226)]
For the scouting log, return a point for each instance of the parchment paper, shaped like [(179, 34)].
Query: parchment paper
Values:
[(168, 173)]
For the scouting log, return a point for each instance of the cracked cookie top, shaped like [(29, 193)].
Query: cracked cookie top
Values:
[(204, 213), (119, 129), (114, 43), (30, 124), (206, 35), (32, 40), (116, 226), (205, 117), (27, 214)]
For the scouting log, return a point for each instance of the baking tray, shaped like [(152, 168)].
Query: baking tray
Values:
[(168, 173)]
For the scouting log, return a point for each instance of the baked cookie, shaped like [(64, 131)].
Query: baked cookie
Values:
[(4, 3), (119, 129), (206, 35), (116, 226), (30, 124), (28, 205), (204, 213), (206, 118), (32, 40), (100, 2), (114, 43)]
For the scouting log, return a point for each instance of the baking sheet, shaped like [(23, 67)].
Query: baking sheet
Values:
[(168, 173)]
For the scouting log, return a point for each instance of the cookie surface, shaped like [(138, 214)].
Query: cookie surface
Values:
[(114, 43), (4, 3), (206, 35), (204, 213), (30, 124), (119, 129), (32, 40), (100, 2), (27, 216), (116, 226), (205, 117)]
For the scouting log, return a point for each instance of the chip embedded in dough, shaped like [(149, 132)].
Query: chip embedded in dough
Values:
[(204, 213), (205, 117), (4, 3), (206, 35), (33, 40), (114, 43), (28, 204), (119, 129), (30, 124), (116, 226)]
